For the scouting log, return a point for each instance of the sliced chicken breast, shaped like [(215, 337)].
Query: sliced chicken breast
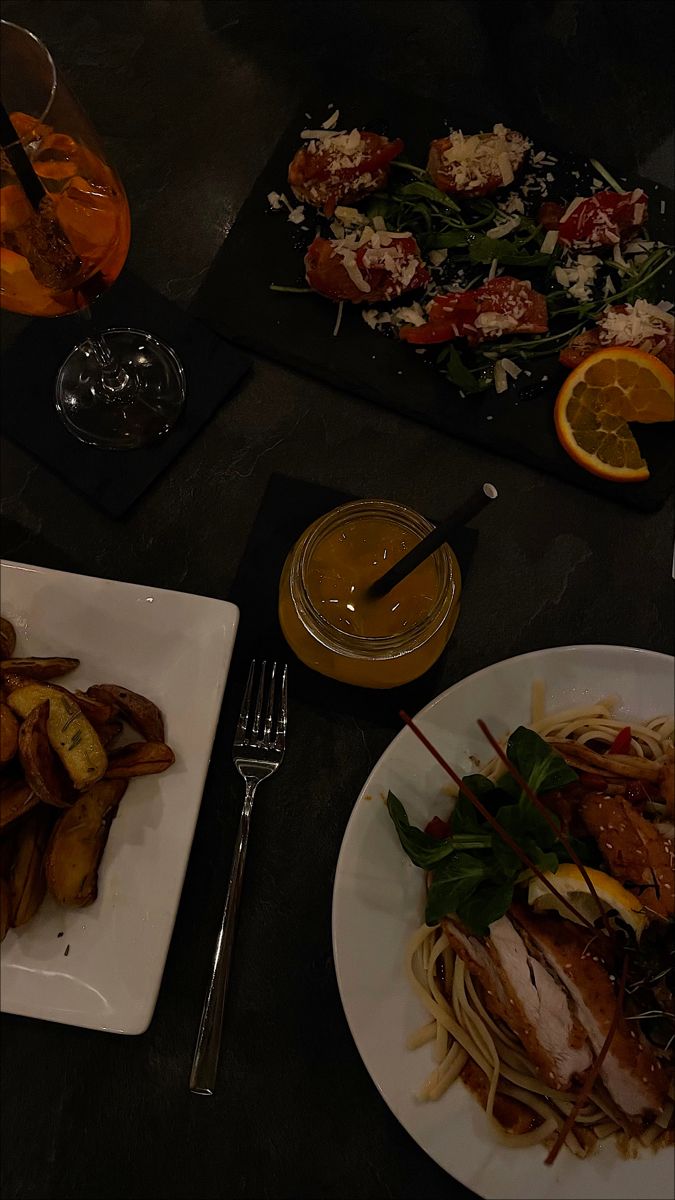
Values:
[(555, 1040), (631, 1072), (519, 990)]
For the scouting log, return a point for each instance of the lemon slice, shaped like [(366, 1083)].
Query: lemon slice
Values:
[(571, 884)]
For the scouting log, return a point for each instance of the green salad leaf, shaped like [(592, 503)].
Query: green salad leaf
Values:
[(483, 249), (473, 872), (539, 765), (458, 373)]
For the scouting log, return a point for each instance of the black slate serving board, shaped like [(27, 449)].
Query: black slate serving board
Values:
[(287, 508), (263, 248), (113, 479)]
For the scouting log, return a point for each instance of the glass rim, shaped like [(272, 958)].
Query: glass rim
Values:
[(52, 65), (359, 645)]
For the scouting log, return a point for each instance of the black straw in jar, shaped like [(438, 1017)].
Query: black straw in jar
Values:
[(442, 533)]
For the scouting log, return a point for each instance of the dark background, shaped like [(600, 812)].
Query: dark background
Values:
[(190, 98)]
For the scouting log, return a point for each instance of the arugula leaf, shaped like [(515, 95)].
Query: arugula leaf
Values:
[(539, 765), (457, 373), (380, 206), (427, 191), (424, 850), (447, 240), (486, 904), (453, 884), (483, 249)]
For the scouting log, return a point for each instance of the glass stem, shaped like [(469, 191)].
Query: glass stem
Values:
[(113, 377)]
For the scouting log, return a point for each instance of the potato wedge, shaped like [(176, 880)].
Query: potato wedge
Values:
[(39, 668), (16, 798), (10, 682), (7, 638), (108, 732), (137, 710), (99, 712), (27, 883), (78, 841), (72, 736), (42, 769), (95, 711), (139, 758), (9, 734)]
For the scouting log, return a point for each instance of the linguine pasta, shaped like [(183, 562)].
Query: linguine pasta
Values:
[(460, 1027)]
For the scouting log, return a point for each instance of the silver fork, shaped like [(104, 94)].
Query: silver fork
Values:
[(259, 745)]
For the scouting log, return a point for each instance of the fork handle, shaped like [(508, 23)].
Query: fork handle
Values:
[(207, 1049)]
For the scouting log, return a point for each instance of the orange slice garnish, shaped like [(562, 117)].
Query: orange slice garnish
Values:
[(599, 398)]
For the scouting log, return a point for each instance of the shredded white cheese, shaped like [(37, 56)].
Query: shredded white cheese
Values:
[(436, 257), (504, 228), (338, 319), (500, 376), (571, 207), (632, 324), (550, 240), (350, 217), (332, 121), (578, 276), (511, 368)]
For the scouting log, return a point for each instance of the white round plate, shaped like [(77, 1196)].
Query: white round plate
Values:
[(377, 903)]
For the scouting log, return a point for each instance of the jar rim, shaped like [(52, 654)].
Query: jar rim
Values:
[(359, 645)]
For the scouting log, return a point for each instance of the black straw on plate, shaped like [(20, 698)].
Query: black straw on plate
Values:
[(442, 533), (20, 162)]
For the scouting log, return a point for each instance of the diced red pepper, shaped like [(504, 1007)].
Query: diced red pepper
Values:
[(622, 741), (438, 828)]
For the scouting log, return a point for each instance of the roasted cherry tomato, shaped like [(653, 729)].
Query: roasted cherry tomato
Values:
[(378, 266), (604, 219), (340, 168)]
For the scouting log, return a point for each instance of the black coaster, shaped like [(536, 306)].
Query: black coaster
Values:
[(113, 479), (297, 330), (287, 508)]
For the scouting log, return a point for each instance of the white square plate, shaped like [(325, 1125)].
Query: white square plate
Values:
[(175, 648)]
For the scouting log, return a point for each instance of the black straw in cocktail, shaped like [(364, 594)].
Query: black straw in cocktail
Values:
[(19, 160), (438, 536)]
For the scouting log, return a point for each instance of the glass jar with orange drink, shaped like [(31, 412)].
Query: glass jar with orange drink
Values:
[(335, 626)]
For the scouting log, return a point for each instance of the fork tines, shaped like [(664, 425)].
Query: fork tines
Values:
[(264, 727)]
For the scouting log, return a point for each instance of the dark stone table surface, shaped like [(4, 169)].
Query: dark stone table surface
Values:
[(190, 98)]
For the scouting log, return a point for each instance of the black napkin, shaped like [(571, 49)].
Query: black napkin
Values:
[(113, 479), (287, 508), (263, 248)]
